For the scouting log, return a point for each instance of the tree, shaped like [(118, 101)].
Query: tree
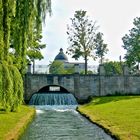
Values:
[(101, 48), (19, 19), (131, 43), (57, 67), (113, 67), (33, 51), (26, 29), (81, 36)]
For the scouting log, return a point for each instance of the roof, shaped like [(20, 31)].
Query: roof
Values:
[(61, 56)]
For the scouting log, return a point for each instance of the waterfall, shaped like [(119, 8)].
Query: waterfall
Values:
[(52, 99)]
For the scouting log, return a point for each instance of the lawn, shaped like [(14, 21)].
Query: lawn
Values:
[(118, 114), (12, 124)]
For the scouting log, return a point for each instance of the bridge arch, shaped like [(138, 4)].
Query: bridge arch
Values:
[(53, 89)]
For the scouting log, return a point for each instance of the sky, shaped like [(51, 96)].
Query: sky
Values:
[(115, 18)]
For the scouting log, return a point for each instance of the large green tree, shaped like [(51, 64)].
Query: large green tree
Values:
[(131, 43), (81, 34), (101, 47), (20, 22), (27, 28)]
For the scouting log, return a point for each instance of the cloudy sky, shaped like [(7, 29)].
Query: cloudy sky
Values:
[(115, 18)]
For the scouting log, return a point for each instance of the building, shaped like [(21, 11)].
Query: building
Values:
[(79, 67)]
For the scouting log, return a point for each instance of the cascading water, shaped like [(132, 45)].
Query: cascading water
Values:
[(53, 99)]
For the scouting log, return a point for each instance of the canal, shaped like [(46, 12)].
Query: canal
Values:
[(62, 122)]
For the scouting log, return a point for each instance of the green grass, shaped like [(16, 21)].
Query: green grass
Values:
[(12, 124), (118, 114)]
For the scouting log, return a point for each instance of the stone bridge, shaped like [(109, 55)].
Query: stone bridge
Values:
[(84, 86)]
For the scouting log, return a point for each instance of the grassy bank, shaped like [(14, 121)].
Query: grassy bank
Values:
[(12, 124), (119, 114)]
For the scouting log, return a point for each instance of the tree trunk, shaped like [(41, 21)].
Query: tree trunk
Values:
[(85, 65), (33, 66), (101, 60)]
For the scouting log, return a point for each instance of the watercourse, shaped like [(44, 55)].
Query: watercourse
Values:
[(57, 119)]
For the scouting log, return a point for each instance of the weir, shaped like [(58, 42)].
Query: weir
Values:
[(53, 95), (52, 99)]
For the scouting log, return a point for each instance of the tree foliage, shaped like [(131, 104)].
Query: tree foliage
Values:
[(58, 67), (101, 47), (113, 67), (88, 72), (131, 43), (20, 30), (34, 49), (27, 28), (81, 36), (11, 87)]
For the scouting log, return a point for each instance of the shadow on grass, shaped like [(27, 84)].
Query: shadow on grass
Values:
[(2, 110), (107, 99)]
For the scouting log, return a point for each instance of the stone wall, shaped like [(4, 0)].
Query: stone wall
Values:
[(34, 82), (84, 86), (96, 85)]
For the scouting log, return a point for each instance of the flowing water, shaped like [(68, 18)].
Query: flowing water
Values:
[(62, 122), (53, 99)]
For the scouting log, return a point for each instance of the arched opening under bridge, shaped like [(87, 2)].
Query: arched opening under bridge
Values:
[(53, 89)]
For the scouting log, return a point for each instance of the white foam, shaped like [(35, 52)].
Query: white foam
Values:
[(59, 108), (38, 111)]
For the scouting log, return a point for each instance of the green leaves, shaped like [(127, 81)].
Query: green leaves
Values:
[(34, 54), (84, 39), (113, 67), (58, 67), (101, 48), (20, 31), (81, 35), (27, 29), (131, 42), (11, 87)]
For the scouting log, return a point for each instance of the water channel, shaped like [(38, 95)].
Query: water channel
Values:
[(62, 123), (57, 119)]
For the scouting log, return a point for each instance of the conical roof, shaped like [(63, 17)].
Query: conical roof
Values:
[(61, 56)]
